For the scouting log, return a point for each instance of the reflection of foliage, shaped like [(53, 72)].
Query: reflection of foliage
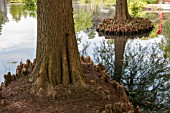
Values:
[(166, 33), (110, 41), (3, 15), (91, 33), (166, 48), (3, 19), (83, 52), (30, 5), (136, 9), (105, 55), (19, 10), (83, 20), (145, 74), (16, 11)]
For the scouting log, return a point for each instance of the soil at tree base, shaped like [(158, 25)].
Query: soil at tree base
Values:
[(100, 96)]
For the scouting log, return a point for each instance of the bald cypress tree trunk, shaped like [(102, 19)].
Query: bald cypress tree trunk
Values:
[(122, 10), (57, 57)]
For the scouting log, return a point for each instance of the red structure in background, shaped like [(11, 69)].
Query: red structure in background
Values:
[(165, 0), (160, 23)]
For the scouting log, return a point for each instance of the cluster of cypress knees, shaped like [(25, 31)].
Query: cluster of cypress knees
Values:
[(134, 26), (26, 69), (105, 77), (99, 68), (22, 70)]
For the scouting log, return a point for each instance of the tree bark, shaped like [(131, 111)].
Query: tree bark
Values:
[(122, 10), (57, 56)]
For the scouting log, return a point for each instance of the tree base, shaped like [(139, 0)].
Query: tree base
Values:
[(101, 95), (42, 88), (124, 27)]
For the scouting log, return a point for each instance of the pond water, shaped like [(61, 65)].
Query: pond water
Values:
[(133, 57), (17, 39)]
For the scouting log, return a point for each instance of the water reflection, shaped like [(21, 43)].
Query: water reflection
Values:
[(143, 74), (17, 41), (18, 11), (166, 43), (120, 42), (3, 13), (141, 66)]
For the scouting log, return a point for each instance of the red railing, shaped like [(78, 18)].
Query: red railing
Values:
[(160, 23)]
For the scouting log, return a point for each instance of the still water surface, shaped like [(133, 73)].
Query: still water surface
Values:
[(18, 40)]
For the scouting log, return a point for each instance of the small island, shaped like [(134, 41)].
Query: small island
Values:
[(123, 23)]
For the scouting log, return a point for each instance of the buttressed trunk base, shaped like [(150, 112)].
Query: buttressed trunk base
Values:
[(57, 57)]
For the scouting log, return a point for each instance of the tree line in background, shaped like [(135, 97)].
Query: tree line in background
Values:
[(136, 6)]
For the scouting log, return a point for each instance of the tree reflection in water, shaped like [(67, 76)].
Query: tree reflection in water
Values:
[(166, 44), (143, 70), (3, 13)]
